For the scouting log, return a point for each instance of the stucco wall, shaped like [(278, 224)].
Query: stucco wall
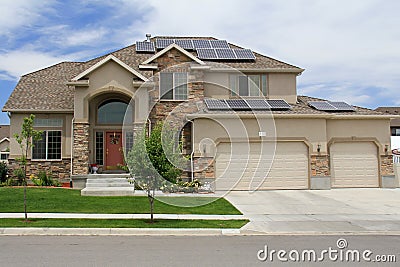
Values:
[(4, 145), (16, 122), (280, 86), (108, 78)]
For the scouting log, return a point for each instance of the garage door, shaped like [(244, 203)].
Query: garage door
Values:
[(243, 166), (354, 164)]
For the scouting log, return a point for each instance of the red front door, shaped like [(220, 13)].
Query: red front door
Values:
[(114, 153)]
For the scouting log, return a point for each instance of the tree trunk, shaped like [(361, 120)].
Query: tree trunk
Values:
[(26, 213), (151, 199), (25, 182)]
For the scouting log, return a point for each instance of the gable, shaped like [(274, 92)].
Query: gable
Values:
[(176, 54), (104, 61)]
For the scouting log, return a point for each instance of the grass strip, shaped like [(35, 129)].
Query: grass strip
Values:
[(61, 200), (122, 223)]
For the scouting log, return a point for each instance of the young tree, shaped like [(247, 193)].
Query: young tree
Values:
[(25, 140), (148, 163), (142, 170)]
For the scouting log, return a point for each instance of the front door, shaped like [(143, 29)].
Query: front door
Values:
[(114, 153)]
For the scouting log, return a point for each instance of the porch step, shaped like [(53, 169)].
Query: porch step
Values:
[(108, 185)]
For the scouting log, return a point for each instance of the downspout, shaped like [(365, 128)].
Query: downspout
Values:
[(149, 125), (72, 151), (191, 154)]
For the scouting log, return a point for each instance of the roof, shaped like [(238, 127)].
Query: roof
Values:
[(47, 89), (4, 131), (389, 110), (299, 109)]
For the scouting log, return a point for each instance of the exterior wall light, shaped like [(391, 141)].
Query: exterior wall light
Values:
[(318, 148)]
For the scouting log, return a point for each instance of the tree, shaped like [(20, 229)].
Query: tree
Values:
[(148, 163), (26, 140)]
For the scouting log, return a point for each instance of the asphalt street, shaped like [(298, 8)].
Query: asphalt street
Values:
[(195, 251)]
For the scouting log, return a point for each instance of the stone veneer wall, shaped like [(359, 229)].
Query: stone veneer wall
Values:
[(320, 165), (81, 149), (387, 165), (60, 170), (176, 111)]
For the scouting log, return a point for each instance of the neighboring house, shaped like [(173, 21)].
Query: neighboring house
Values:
[(316, 144), (394, 125), (4, 142)]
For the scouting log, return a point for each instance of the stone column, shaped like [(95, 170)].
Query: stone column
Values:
[(389, 179), (81, 149), (320, 172)]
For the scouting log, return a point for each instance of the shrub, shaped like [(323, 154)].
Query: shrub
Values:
[(44, 179), (3, 172), (20, 176)]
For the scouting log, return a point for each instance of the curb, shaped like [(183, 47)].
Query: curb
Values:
[(119, 231)]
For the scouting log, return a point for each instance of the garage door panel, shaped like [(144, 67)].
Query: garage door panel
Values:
[(354, 164), (247, 169)]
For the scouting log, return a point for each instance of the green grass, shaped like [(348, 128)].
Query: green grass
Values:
[(60, 200), (122, 223)]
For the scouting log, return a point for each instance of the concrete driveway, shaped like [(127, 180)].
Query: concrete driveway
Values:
[(320, 211)]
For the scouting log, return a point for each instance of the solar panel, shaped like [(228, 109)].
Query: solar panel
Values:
[(342, 106), (225, 53), (185, 43), (219, 44), (163, 43), (145, 47), (237, 104), (206, 53), (216, 104), (201, 43), (322, 105), (278, 104), (258, 104), (244, 54)]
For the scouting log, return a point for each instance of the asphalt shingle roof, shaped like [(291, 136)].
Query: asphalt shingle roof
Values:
[(46, 89)]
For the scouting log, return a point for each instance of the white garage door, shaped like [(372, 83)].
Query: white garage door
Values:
[(354, 164), (243, 166)]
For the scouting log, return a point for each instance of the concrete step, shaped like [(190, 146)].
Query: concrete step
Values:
[(108, 180), (104, 176), (112, 184), (108, 191)]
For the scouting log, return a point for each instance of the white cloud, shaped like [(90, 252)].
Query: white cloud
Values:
[(19, 62), (20, 13)]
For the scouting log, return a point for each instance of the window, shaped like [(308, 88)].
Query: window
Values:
[(112, 112), (173, 86), (4, 155), (248, 85), (395, 131), (99, 148), (129, 139), (49, 147), (48, 122)]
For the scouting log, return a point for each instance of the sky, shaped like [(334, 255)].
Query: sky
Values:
[(349, 49)]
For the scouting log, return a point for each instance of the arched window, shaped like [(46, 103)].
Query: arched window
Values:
[(111, 112)]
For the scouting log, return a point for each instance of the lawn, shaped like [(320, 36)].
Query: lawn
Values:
[(60, 200), (122, 223)]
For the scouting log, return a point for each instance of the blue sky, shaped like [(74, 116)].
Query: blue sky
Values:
[(350, 49)]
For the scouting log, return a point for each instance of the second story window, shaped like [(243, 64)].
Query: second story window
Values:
[(248, 85), (173, 86)]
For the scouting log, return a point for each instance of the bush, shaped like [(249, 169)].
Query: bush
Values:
[(3, 172), (44, 179), (20, 175)]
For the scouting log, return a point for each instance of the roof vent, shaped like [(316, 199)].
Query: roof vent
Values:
[(148, 35)]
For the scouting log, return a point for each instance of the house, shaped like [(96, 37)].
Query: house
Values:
[(4, 142), (394, 125), (240, 118)]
